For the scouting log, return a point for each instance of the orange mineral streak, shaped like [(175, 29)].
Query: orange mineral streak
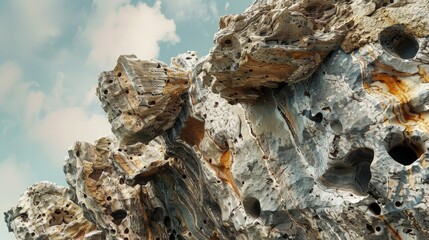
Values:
[(193, 132), (223, 171), (398, 93), (423, 75), (392, 230)]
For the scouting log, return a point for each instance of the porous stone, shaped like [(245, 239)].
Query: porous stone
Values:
[(142, 97), (307, 120), (47, 211)]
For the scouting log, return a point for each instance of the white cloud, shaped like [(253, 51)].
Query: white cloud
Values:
[(9, 76), (227, 6), (13, 91), (33, 107), (14, 179), (58, 130), (29, 24), (119, 27), (185, 10), (90, 96)]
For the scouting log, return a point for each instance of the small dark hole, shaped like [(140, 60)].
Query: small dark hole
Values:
[(317, 118), (403, 154), (398, 204), (370, 228), (126, 231), (118, 216), (184, 176), (105, 91), (119, 74), (378, 229), (228, 42), (109, 198), (375, 208), (167, 221), (252, 206)]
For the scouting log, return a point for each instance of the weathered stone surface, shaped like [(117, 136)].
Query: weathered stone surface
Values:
[(47, 211), (332, 144), (280, 41), (142, 98)]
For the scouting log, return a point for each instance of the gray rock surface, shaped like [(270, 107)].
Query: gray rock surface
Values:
[(307, 120)]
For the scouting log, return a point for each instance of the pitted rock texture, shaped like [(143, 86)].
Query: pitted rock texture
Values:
[(47, 211), (307, 120), (142, 98)]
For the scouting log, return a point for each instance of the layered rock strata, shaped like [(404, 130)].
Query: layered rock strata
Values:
[(307, 120)]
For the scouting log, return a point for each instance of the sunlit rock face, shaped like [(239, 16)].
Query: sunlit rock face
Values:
[(47, 211), (307, 120)]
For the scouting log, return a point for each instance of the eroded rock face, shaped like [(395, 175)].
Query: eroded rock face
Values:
[(283, 41), (47, 211), (142, 98), (308, 120)]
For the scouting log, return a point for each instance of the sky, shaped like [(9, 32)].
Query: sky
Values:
[(51, 52)]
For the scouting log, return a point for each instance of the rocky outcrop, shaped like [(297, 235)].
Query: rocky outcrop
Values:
[(47, 211), (307, 120)]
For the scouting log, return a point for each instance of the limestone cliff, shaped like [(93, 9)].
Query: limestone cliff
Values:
[(309, 119)]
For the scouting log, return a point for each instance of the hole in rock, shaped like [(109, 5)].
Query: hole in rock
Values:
[(118, 216), (398, 204), (398, 42), (375, 208), (119, 74), (370, 228), (318, 117), (351, 173), (167, 221), (404, 153), (252, 206), (127, 230), (378, 229)]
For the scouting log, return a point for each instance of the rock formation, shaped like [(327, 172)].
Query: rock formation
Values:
[(307, 120)]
